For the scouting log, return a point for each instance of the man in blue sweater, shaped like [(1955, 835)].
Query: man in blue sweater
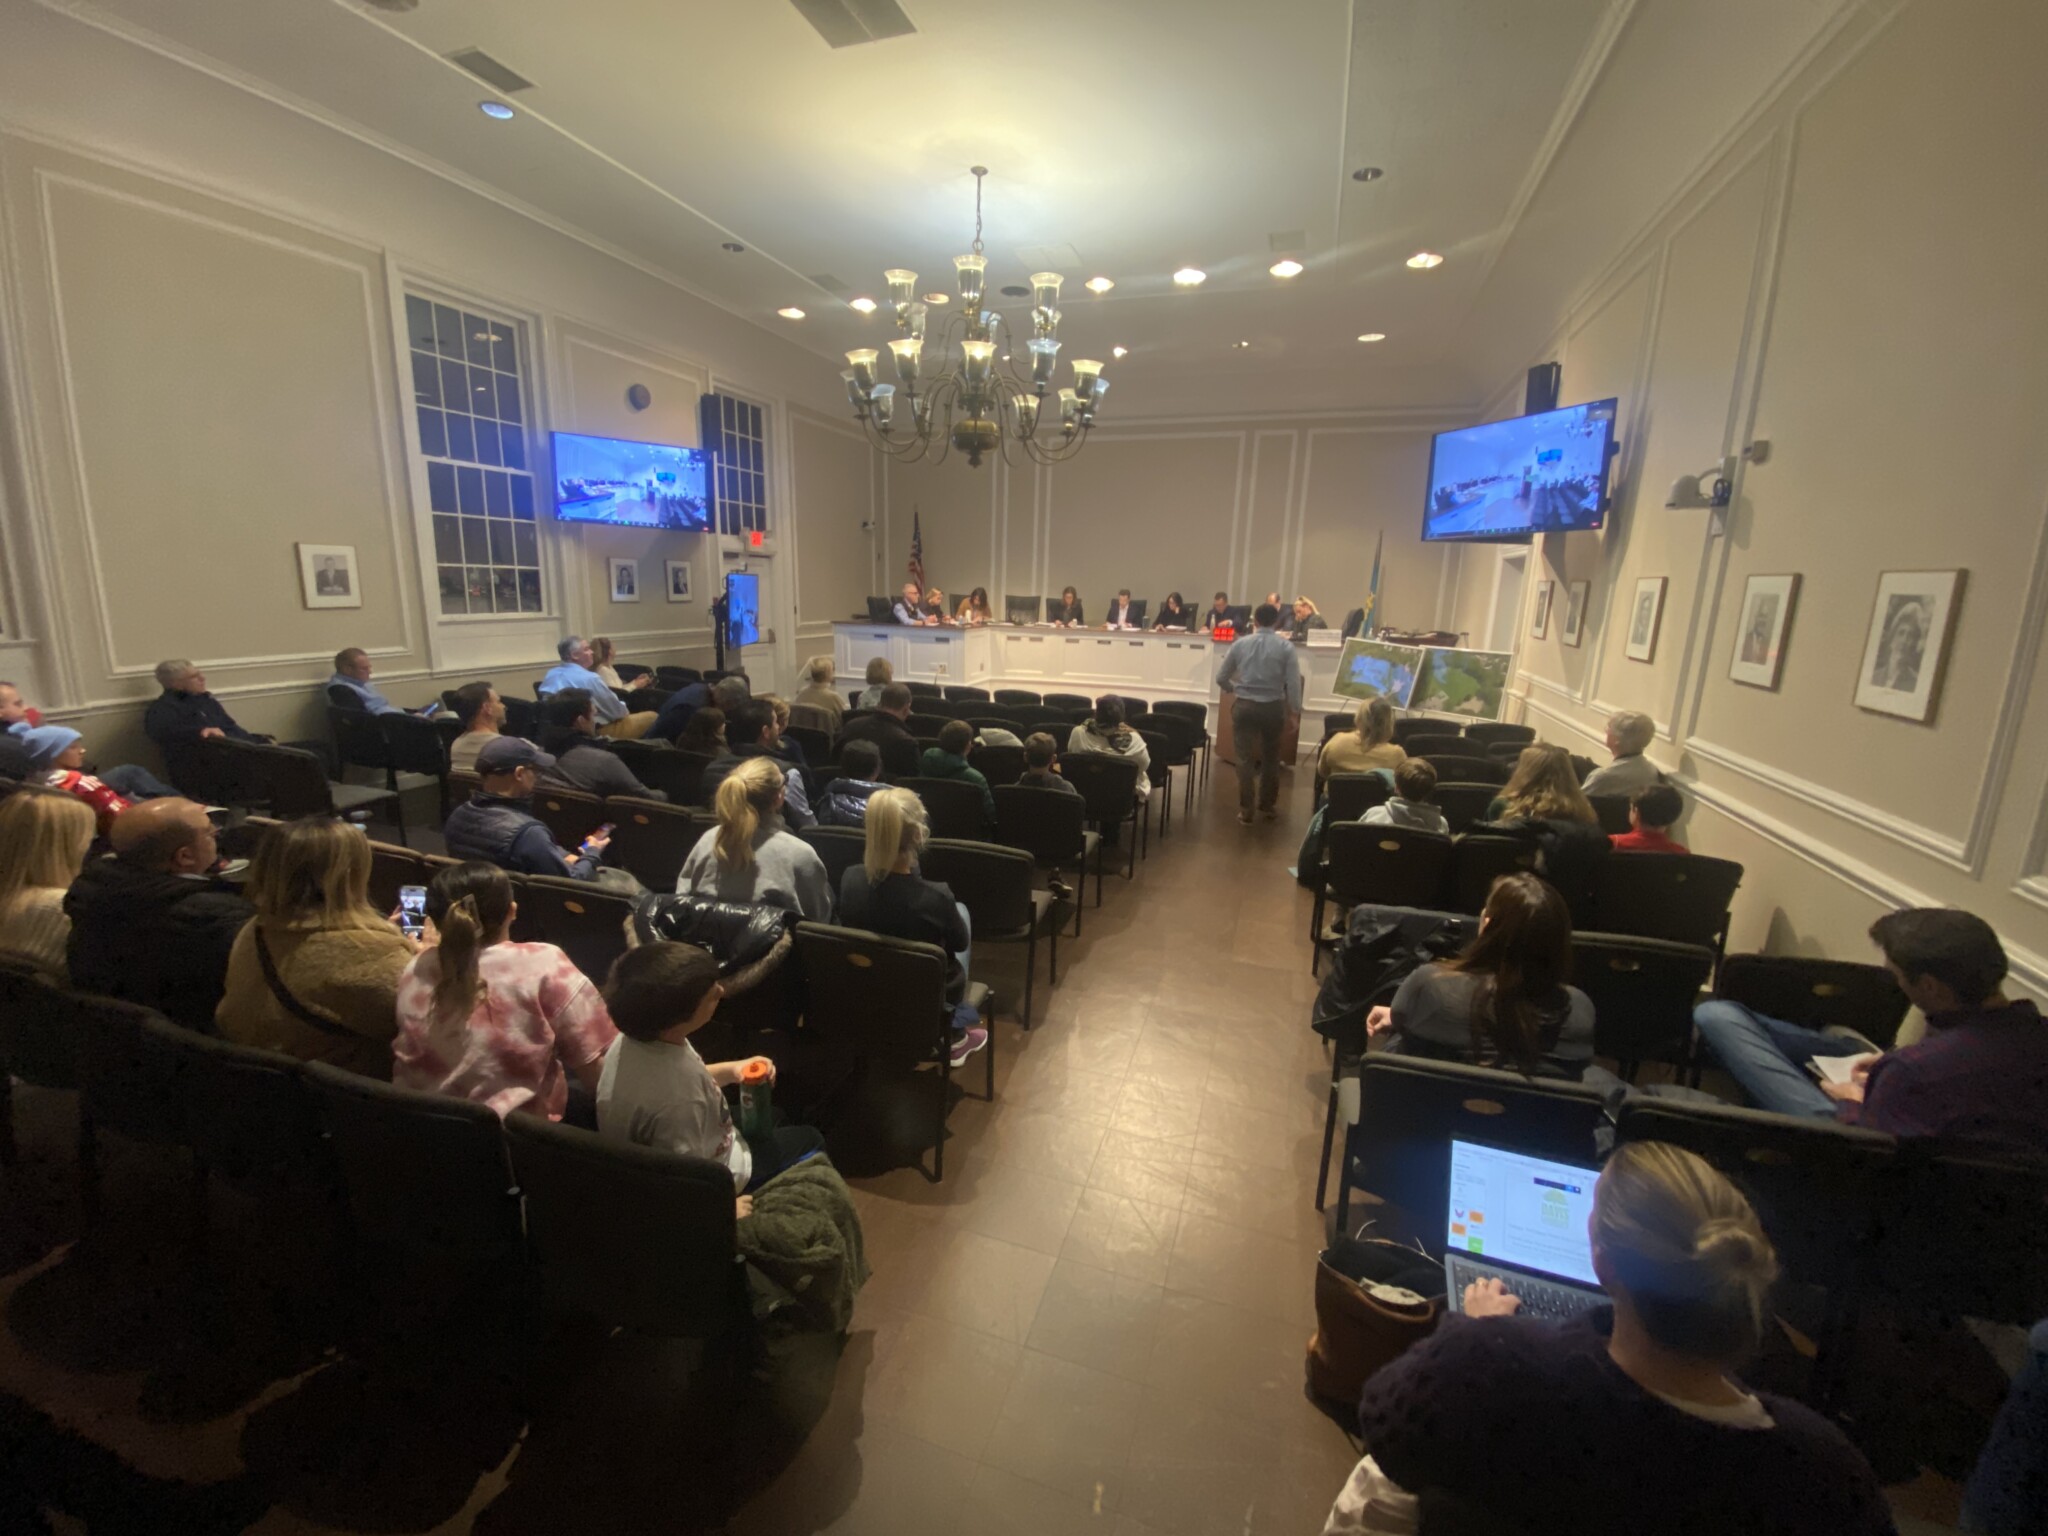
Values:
[(574, 671)]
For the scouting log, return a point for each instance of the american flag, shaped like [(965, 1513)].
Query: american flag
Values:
[(916, 550)]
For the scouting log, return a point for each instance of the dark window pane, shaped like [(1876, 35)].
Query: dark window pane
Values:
[(461, 441), (448, 331), (486, 442), (508, 398), (479, 589), (497, 494), (453, 598), (514, 439), (426, 379), (501, 542), (526, 543), (454, 385), (448, 539), (433, 440), (478, 334), (505, 354), (419, 322), (483, 394), (476, 540), (441, 487), (472, 482), (505, 591), (529, 591), (522, 495)]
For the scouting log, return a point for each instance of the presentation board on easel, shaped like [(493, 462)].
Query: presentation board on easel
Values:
[(1471, 685)]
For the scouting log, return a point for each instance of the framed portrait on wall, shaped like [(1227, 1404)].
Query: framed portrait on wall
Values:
[(678, 583), (625, 576), (1645, 613), (1903, 655), (1539, 622), (1574, 629), (1760, 629), (328, 576)]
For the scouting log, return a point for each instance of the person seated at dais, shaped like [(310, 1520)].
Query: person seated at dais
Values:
[(1306, 618), (1173, 614)]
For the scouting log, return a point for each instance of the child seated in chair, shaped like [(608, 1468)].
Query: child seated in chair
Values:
[(1414, 783), (948, 760), (1651, 815), (656, 1091)]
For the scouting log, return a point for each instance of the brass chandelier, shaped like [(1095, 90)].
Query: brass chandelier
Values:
[(978, 401)]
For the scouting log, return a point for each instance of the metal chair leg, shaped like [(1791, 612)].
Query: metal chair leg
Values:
[(1329, 1135)]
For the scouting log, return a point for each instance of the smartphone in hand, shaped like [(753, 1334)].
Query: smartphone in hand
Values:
[(412, 910)]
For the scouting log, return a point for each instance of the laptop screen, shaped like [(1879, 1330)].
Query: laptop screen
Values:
[(1521, 1210)]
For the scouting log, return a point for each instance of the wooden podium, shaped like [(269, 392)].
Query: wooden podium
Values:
[(1226, 750)]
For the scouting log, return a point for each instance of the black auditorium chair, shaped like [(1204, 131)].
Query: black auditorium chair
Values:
[(583, 920), (1386, 866), (925, 727), (953, 807), (1052, 827), (1820, 994), (1067, 702), (1431, 743), (1464, 805), (1643, 992), (1348, 796), (925, 690), (994, 884), (1612, 811), (959, 692), (651, 840), (999, 765), (1109, 795), (1017, 696), (839, 847), (1452, 769), (414, 745), (1684, 897), (1492, 733), (570, 815), (815, 745), (1482, 859)]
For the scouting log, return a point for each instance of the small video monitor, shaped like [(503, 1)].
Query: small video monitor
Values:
[(1023, 610)]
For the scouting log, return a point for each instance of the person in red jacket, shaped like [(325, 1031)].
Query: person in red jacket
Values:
[(1651, 815), (57, 754)]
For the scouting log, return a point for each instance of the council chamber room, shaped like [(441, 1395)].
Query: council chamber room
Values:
[(1163, 770)]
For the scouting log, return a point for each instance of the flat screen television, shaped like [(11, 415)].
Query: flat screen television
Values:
[(1467, 683), (1507, 481), (1373, 669), (635, 485), (742, 609)]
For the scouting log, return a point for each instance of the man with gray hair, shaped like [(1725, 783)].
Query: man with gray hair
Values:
[(613, 718), (186, 712), (1629, 735)]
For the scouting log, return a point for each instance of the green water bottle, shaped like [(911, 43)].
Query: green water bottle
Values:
[(757, 1113)]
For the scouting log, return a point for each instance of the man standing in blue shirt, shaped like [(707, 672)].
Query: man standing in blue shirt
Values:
[(1264, 673), (613, 720)]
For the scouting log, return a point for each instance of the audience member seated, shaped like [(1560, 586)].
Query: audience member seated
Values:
[(613, 718), (1629, 735), (1173, 614), (151, 925), (818, 693), (750, 733), (1652, 813), (482, 714), (127, 780), (352, 669), (948, 760), (1414, 783), (678, 709), (1306, 618), (1978, 1077), (185, 712), (749, 856), (314, 973), (878, 676), (656, 1091), (791, 755), (1042, 767), (485, 1019), (16, 713), (1107, 733), (1369, 744), (885, 894), (601, 656), (909, 607), (14, 760), (497, 824), (705, 733), (846, 798), (900, 749), (582, 759), (1502, 1001), (1628, 1418), (1542, 802), (43, 843), (56, 756)]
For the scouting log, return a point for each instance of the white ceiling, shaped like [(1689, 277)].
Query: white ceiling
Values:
[(1523, 139)]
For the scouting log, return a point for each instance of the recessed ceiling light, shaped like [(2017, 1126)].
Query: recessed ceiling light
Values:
[(1367, 173), (1374, 336), (734, 246), (935, 297), (790, 312), (496, 109), (1241, 345), (1099, 284), (1190, 277), (1016, 291), (1287, 266), (865, 306), (1119, 351), (1424, 260)]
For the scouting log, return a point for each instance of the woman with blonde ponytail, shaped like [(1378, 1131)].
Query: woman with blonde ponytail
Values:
[(485, 1019), (1626, 1420), (750, 856)]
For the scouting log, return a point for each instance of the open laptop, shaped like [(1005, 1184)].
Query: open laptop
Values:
[(1521, 1220)]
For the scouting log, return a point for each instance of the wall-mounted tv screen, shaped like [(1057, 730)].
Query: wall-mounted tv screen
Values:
[(1468, 683), (1373, 669), (635, 485), (1509, 480)]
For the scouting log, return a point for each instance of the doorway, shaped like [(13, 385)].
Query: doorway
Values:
[(1504, 620)]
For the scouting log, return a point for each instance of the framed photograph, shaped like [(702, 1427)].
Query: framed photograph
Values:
[(678, 573), (328, 576), (625, 580), (1760, 629), (1644, 615), (1903, 655), (1539, 624), (1575, 612)]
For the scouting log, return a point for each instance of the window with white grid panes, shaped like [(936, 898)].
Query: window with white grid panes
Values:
[(469, 394), (742, 466)]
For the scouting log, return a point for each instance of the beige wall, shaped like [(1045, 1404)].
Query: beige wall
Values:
[(1860, 270)]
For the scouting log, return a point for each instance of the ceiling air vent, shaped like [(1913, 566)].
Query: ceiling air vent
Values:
[(846, 23), (487, 69)]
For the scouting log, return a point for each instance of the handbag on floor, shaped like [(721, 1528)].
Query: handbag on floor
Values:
[(1374, 1298)]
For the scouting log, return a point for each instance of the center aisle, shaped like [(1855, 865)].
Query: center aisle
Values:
[(1097, 1322)]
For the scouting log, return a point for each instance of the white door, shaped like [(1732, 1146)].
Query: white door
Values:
[(1506, 618), (767, 663)]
